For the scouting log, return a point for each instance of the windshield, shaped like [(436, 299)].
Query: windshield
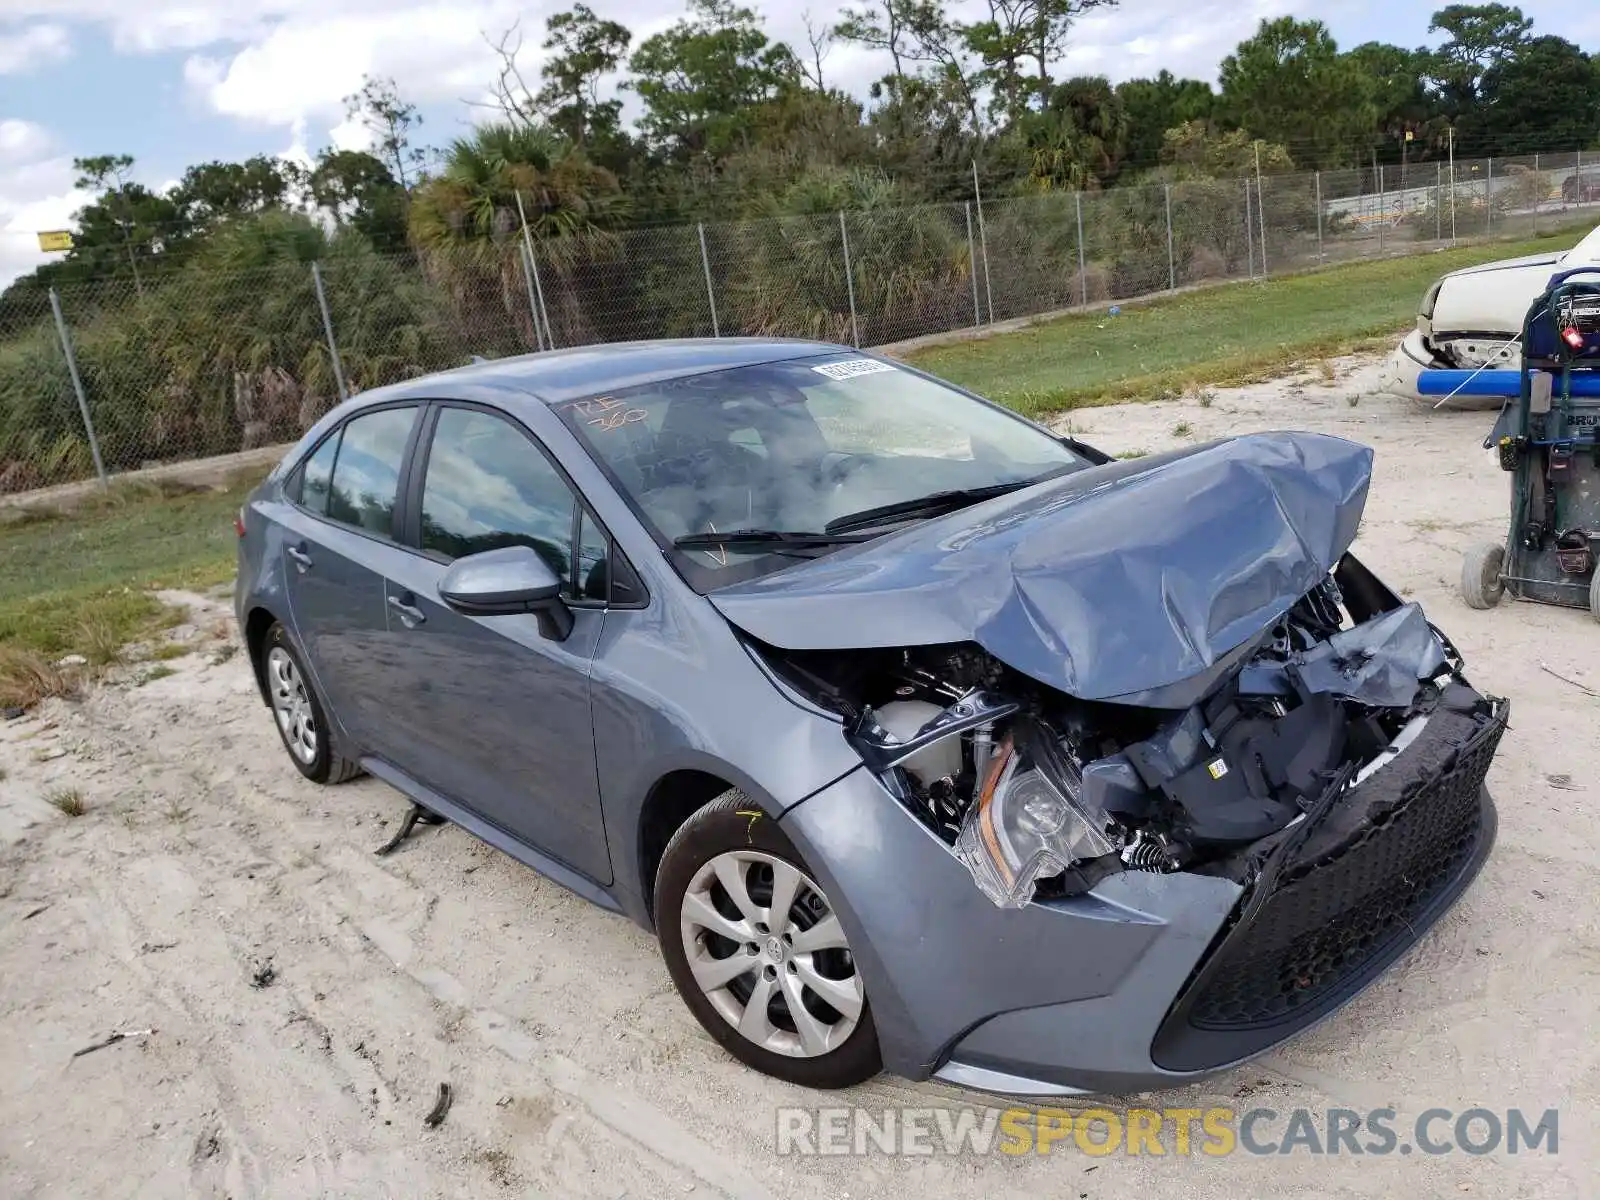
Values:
[(794, 446)]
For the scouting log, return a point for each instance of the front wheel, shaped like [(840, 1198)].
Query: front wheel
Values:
[(757, 952)]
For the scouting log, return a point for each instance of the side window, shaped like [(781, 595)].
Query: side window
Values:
[(366, 471), (488, 486), (316, 474)]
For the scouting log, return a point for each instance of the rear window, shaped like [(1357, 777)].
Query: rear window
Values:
[(317, 474), (366, 470)]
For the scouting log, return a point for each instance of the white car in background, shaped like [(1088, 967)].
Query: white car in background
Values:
[(1472, 318)]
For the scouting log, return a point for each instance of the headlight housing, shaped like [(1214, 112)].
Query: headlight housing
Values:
[(1431, 297), (1027, 824)]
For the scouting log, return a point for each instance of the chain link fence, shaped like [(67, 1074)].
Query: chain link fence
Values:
[(123, 374)]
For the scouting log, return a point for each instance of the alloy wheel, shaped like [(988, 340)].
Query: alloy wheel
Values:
[(291, 705), (765, 946)]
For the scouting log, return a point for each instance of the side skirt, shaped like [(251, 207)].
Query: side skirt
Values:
[(486, 831)]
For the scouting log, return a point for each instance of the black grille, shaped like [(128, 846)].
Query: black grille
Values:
[(1349, 901)]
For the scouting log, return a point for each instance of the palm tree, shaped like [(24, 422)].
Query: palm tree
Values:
[(466, 222), (908, 265)]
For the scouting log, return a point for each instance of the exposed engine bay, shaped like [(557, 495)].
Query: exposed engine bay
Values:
[(1041, 794)]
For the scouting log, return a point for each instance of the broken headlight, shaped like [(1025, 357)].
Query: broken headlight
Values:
[(1026, 825)]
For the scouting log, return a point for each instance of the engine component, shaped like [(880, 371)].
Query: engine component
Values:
[(881, 749), (1112, 786), (940, 759), (1149, 852)]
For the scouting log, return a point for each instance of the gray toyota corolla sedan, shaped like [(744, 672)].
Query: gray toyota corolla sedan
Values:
[(924, 739)]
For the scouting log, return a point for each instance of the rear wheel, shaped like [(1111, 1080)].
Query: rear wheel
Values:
[(757, 952), (1594, 594), (1481, 569), (297, 710)]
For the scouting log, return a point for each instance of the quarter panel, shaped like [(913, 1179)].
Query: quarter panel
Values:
[(673, 689)]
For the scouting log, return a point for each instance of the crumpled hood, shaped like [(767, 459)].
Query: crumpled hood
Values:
[(1112, 583)]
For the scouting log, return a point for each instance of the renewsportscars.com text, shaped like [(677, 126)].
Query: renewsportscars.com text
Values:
[(1180, 1132)]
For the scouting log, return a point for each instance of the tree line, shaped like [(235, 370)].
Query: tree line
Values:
[(733, 121), (421, 245)]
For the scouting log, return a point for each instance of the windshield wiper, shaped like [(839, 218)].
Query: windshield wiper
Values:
[(932, 505), (756, 539)]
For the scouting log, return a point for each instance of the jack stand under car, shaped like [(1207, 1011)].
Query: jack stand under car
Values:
[(1548, 438)]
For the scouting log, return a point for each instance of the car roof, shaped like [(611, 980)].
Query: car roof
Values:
[(556, 376)]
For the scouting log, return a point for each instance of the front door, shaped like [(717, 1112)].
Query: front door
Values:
[(493, 713)]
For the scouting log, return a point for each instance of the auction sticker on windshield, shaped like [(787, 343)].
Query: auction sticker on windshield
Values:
[(851, 367)]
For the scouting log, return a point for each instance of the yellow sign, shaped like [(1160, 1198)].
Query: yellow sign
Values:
[(55, 239), (1410, 136)]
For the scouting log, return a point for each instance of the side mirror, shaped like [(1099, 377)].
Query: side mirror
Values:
[(513, 579)]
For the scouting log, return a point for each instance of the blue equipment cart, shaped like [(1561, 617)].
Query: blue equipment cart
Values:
[(1548, 437)]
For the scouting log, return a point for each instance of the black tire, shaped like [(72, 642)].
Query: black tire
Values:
[(1481, 568), (732, 823), (324, 766)]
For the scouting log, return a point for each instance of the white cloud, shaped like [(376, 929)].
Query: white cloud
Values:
[(351, 134), (305, 65), (36, 193), (21, 141), (33, 46)]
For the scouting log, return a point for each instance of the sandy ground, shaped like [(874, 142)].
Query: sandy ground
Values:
[(308, 998)]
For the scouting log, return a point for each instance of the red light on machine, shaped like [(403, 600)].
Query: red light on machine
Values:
[(1572, 337)]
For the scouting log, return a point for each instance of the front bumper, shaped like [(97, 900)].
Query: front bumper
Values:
[(1147, 981), (1412, 357)]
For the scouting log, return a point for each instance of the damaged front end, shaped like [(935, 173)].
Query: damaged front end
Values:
[(1330, 725)]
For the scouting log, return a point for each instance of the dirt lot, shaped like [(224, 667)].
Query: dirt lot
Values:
[(307, 998)]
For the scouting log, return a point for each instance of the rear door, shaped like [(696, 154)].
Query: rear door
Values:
[(340, 536), (494, 714)]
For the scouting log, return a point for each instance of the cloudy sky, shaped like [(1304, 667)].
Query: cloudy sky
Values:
[(174, 82)]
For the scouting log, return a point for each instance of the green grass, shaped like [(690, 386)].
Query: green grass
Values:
[(80, 581), (1219, 336)]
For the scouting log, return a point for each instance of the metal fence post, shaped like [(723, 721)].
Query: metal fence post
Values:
[(1452, 185), (1261, 208), (983, 240), (850, 280), (1172, 263), (1382, 215), (1539, 198), (327, 328), (538, 289), (77, 384), (533, 263), (533, 300), (1083, 266), (1249, 232), (1320, 254), (711, 295), (972, 269), (1488, 197)]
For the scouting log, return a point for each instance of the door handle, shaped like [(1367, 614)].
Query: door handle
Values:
[(410, 615), (301, 558)]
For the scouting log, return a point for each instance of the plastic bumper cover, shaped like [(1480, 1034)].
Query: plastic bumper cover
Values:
[(941, 963)]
